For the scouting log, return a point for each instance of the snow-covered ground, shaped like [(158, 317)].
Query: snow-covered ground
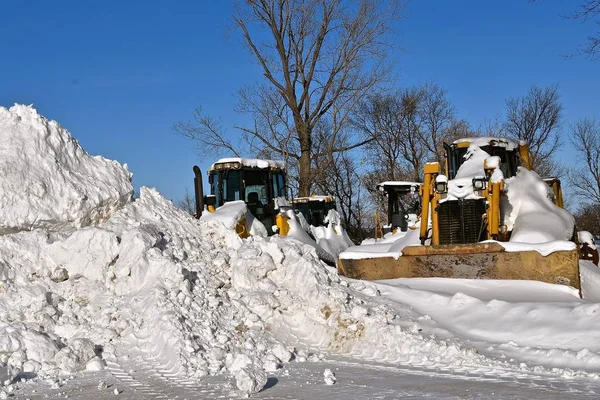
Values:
[(102, 294)]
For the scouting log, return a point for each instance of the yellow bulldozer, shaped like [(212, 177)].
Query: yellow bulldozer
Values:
[(464, 230)]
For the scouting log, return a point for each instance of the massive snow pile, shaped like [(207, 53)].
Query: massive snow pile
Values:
[(48, 180), (143, 279)]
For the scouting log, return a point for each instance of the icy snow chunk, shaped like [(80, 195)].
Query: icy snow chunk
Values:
[(281, 352), (59, 275), (49, 181), (474, 161), (229, 214), (87, 252), (329, 377), (251, 379), (94, 365), (75, 356), (333, 237), (586, 237)]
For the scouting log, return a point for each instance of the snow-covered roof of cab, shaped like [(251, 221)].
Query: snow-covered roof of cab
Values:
[(237, 162), (510, 144), (314, 197), (398, 183)]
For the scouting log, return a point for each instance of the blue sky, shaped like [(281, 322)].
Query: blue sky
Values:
[(119, 74)]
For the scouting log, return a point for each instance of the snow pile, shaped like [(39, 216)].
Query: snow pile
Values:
[(532, 215), (390, 246), (461, 186), (232, 214), (153, 289), (49, 181), (299, 229), (332, 237)]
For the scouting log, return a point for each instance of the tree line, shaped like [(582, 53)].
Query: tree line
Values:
[(325, 107)]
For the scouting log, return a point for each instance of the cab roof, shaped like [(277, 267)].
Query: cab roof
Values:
[(510, 144), (237, 162)]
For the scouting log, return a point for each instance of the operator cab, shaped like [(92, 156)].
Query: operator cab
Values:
[(403, 204), (256, 182), (508, 150)]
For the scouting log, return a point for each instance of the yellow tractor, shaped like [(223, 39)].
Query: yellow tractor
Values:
[(464, 235)]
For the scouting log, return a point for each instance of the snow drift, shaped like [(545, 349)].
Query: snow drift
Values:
[(48, 180)]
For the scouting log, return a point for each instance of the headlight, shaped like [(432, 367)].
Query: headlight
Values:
[(441, 187), (479, 183)]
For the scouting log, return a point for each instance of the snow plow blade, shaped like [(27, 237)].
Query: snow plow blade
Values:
[(468, 261)]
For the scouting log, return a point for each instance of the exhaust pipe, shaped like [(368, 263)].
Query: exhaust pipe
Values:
[(198, 191)]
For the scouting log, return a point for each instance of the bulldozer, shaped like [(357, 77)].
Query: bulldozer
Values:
[(463, 231), (262, 186)]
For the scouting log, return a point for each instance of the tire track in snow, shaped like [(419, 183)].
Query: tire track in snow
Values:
[(154, 377), (582, 386)]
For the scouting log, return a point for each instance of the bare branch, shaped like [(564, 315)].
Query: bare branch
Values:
[(536, 118), (207, 132), (585, 180)]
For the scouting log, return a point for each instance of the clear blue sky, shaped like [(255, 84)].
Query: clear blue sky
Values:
[(119, 74)]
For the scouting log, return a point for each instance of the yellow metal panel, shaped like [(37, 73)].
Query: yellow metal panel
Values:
[(524, 153), (241, 228), (282, 224), (432, 168)]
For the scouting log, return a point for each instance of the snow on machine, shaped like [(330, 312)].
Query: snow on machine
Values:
[(488, 217), (250, 194)]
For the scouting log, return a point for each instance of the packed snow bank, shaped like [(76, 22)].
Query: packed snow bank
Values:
[(534, 322), (48, 181)]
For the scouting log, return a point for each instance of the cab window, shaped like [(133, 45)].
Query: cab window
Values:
[(256, 187), (231, 185)]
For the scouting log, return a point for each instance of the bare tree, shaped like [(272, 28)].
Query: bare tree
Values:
[(459, 129), (587, 218), (588, 10), (341, 180), (319, 59), (585, 180), (393, 124), (408, 128), (187, 204), (437, 114), (536, 118)]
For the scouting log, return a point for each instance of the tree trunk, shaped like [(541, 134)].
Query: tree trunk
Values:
[(304, 178)]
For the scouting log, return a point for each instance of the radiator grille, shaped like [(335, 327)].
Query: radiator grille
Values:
[(460, 221)]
